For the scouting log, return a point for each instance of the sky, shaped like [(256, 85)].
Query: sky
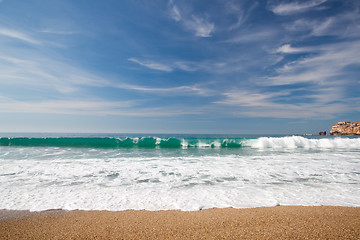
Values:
[(179, 66)]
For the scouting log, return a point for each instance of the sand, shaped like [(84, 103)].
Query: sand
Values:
[(282, 222)]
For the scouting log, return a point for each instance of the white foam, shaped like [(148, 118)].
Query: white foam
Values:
[(187, 179), (301, 142)]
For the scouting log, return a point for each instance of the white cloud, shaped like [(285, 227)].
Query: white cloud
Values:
[(32, 71), (226, 65), (152, 65), (317, 76), (180, 90), (325, 66), (262, 104), (175, 13), (18, 35), (302, 111), (286, 48), (295, 7), (248, 98), (186, 66), (240, 12), (58, 32), (235, 9), (200, 26), (90, 107), (344, 25), (321, 28)]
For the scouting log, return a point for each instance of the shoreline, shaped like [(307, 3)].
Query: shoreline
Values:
[(284, 222)]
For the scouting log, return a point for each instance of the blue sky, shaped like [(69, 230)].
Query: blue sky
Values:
[(171, 66)]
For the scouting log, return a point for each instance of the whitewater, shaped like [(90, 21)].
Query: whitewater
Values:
[(159, 172)]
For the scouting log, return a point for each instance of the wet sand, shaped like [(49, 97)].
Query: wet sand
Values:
[(282, 222)]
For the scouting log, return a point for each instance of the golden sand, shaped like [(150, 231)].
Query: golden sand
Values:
[(282, 222)]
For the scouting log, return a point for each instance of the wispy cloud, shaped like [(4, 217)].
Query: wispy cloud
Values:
[(302, 111), (175, 13), (321, 27), (237, 9), (295, 7), (325, 66), (200, 26), (269, 104), (18, 35), (180, 90), (90, 107), (27, 69), (34, 71), (226, 65), (152, 65), (191, 22), (249, 99), (342, 25), (287, 48), (58, 32)]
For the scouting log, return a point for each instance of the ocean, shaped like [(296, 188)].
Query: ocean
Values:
[(187, 172)]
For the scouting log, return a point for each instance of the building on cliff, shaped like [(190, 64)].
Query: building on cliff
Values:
[(346, 129)]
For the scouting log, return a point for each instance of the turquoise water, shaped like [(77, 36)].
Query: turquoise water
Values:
[(125, 142)]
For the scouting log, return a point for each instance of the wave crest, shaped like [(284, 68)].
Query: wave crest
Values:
[(302, 142), (290, 142)]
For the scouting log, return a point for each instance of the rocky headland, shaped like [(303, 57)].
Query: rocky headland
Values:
[(346, 129)]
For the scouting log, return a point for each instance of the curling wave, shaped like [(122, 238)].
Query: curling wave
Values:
[(108, 142), (290, 142)]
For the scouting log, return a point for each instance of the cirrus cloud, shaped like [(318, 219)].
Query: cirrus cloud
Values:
[(295, 7)]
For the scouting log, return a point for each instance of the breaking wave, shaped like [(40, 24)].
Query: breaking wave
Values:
[(289, 142), (302, 142)]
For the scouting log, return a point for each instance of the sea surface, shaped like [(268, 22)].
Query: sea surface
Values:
[(187, 172)]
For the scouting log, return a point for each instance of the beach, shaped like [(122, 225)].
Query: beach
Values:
[(281, 222)]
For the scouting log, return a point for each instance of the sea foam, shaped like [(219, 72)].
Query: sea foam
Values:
[(302, 142)]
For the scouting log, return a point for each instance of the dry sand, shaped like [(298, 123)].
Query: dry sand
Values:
[(282, 222)]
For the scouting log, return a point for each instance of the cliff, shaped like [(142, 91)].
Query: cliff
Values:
[(346, 128)]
